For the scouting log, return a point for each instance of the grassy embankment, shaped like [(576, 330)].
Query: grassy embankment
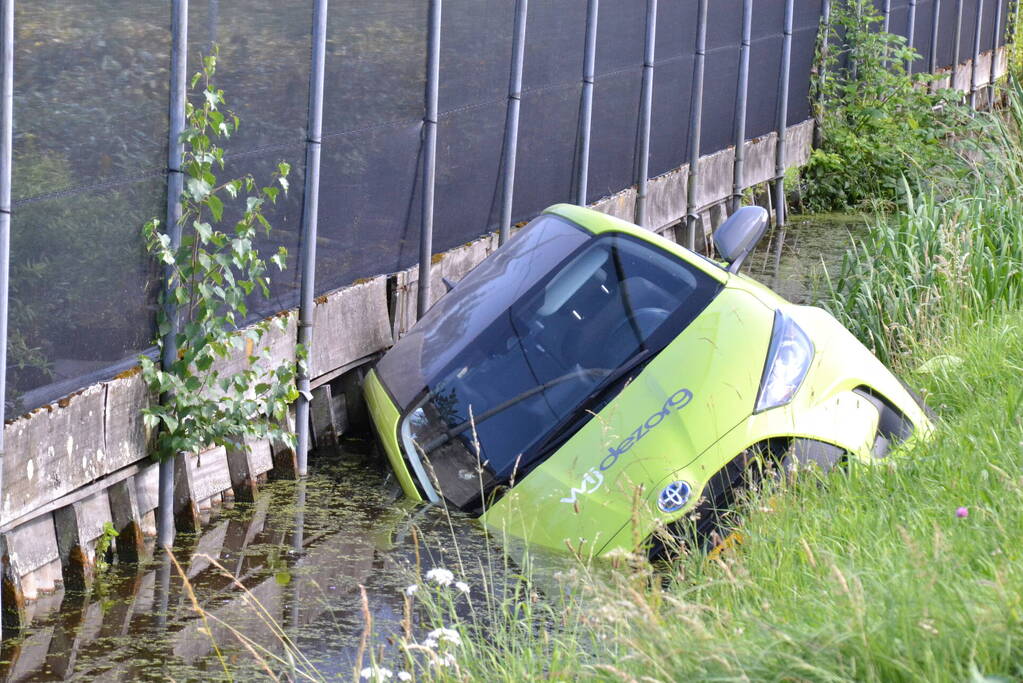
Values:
[(911, 570)]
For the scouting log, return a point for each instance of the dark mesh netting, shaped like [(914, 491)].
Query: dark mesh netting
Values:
[(91, 93)]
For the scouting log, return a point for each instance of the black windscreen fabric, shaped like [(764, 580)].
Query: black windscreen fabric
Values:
[(548, 135), (263, 66), (91, 84), (475, 52), (375, 64), (968, 28), (721, 73), (369, 209), (764, 71), (476, 57), (673, 83), (669, 130), (555, 35), (804, 50), (469, 146), (369, 213), (81, 287), (676, 28), (89, 152), (946, 33), (613, 153), (922, 35), (621, 35), (91, 93)]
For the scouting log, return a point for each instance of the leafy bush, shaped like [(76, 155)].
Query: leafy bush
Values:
[(209, 397), (876, 119), (942, 261)]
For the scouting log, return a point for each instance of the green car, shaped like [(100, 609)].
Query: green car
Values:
[(591, 383)]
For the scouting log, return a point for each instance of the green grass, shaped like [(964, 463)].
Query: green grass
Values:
[(869, 574)]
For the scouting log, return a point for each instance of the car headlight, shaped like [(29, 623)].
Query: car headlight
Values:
[(788, 360)]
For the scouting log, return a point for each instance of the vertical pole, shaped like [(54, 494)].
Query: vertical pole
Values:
[(956, 38), (910, 32), (310, 215), (6, 156), (932, 62), (886, 13), (976, 55), (214, 19), (696, 123), (783, 114), (647, 104), (994, 55), (175, 184), (586, 108), (822, 73), (429, 155), (511, 123), (741, 92)]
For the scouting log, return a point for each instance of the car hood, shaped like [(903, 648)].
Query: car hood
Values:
[(698, 388)]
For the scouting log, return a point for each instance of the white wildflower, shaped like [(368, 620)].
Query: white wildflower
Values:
[(445, 635), (430, 643), (442, 577), (411, 589), (404, 676), (376, 673), (462, 586), (445, 660)]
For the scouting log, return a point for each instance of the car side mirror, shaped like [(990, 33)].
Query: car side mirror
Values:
[(736, 237)]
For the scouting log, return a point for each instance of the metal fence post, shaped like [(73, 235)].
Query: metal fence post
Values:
[(696, 123), (175, 184), (429, 155), (6, 156), (741, 93), (957, 37), (994, 55), (886, 13), (586, 106), (932, 62), (976, 55), (647, 104), (511, 124), (310, 214), (910, 32), (783, 114), (824, 36)]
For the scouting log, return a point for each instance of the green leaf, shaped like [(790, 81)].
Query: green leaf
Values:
[(197, 188), (216, 207)]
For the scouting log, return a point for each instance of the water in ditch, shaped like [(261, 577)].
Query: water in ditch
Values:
[(297, 560)]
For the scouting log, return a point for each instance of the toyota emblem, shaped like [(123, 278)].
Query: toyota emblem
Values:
[(674, 496)]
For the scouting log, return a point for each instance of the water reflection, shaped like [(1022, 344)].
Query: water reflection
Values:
[(791, 260), (300, 554)]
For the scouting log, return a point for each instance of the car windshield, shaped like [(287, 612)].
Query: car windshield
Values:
[(609, 303)]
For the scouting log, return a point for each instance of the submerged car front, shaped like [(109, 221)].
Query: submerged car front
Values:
[(587, 383)]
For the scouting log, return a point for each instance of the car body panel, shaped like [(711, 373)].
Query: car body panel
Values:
[(385, 418)]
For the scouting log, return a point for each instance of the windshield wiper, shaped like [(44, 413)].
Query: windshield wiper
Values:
[(452, 432), (567, 426)]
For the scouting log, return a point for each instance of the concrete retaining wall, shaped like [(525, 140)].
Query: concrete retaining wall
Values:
[(76, 464)]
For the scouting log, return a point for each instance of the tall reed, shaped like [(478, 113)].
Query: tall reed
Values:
[(943, 260)]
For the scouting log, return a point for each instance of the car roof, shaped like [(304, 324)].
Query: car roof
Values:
[(597, 223)]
